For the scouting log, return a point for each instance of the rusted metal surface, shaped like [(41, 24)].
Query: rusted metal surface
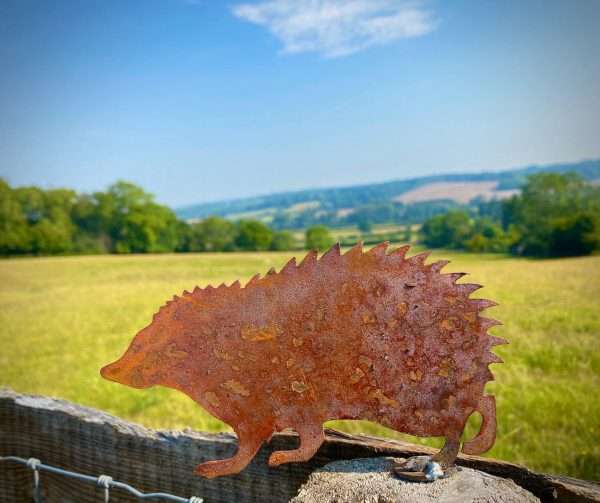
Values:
[(370, 335)]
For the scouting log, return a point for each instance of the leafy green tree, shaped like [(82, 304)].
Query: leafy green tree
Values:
[(319, 238), (283, 241), (487, 236), (447, 231), (253, 235), (14, 233), (212, 234), (555, 215), (48, 215), (134, 222)]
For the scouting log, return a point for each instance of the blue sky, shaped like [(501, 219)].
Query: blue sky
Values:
[(199, 100)]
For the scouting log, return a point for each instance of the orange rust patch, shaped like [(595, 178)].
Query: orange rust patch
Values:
[(299, 386), (368, 318), (402, 309), (256, 334), (275, 360), (416, 375), (391, 323), (297, 342), (290, 363), (235, 387), (365, 361), (173, 352), (357, 375), (445, 367), (378, 395), (470, 316), (212, 398), (449, 324), (222, 355)]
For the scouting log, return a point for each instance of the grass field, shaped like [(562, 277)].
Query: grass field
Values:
[(62, 318)]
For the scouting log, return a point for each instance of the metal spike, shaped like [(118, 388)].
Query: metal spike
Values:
[(482, 304), (235, 284), (253, 280), (197, 289), (420, 258), (497, 341), (356, 250), (310, 258), (489, 322), (289, 267), (271, 271), (455, 276), (379, 249), (469, 288), (439, 265), (332, 253), (493, 358), (399, 252), (185, 292)]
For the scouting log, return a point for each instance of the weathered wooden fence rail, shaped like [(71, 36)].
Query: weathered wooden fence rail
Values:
[(88, 441)]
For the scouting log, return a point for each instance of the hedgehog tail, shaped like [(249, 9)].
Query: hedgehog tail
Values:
[(484, 440)]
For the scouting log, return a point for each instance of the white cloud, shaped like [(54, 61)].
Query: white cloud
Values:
[(337, 28)]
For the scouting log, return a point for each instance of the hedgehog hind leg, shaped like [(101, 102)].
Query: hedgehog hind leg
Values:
[(447, 454), (430, 468), (311, 438), (249, 442)]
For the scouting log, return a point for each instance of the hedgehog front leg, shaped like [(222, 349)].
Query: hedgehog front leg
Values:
[(249, 442), (447, 454), (311, 439)]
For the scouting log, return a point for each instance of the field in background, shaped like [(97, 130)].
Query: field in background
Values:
[(63, 318)]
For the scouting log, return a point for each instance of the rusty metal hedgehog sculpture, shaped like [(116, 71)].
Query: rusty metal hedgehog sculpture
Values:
[(363, 335)]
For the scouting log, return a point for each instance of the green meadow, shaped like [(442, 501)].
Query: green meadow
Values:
[(63, 318)]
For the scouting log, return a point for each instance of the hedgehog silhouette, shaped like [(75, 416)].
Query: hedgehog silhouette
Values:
[(363, 335)]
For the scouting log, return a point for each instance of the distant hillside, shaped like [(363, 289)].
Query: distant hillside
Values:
[(404, 201)]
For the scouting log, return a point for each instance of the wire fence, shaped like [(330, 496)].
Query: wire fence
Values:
[(104, 481)]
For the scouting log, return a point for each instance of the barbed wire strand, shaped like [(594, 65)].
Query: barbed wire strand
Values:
[(104, 481)]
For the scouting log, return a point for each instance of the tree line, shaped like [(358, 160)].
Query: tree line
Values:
[(555, 215), (124, 219)]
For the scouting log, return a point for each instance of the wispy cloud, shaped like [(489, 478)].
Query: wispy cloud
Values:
[(337, 28)]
